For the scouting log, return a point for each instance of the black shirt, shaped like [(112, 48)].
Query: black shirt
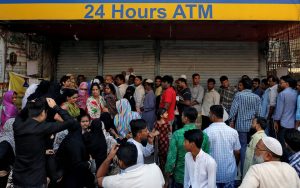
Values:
[(30, 140), (184, 94)]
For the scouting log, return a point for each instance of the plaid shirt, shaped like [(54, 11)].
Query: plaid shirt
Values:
[(244, 107), (223, 141), (227, 96), (295, 162)]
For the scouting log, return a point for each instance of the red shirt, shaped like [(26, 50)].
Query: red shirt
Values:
[(169, 96)]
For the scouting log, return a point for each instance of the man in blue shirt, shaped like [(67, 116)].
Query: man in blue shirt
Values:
[(285, 112), (245, 106), (225, 147)]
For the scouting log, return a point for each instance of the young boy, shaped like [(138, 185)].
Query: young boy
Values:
[(200, 168), (259, 124)]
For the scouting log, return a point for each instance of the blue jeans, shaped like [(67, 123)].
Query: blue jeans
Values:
[(230, 184), (243, 137)]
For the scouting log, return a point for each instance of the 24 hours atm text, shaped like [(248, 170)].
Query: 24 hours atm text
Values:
[(126, 11)]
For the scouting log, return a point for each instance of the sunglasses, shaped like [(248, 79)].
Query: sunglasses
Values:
[(83, 89)]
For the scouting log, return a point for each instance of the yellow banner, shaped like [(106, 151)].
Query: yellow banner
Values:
[(150, 11)]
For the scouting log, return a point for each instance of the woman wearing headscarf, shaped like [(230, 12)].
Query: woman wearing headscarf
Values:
[(95, 142), (9, 109), (123, 118), (7, 151), (83, 95), (129, 96), (74, 158)]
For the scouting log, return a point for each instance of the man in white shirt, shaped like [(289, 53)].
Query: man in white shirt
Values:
[(134, 175), (120, 81), (269, 170), (139, 93), (197, 97), (200, 168), (211, 97), (140, 133)]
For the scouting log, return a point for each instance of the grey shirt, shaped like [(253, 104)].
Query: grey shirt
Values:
[(197, 95)]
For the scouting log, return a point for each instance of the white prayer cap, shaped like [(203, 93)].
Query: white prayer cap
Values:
[(149, 81), (183, 76), (273, 145)]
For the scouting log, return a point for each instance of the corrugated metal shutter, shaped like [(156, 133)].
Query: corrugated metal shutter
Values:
[(119, 55), (78, 57), (209, 59)]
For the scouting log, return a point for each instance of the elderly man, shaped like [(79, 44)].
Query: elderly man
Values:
[(271, 172)]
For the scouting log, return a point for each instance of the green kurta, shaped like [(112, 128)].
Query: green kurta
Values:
[(176, 153)]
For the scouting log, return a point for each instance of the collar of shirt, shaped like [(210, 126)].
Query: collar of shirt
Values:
[(274, 86), (131, 168), (189, 125), (198, 155), (217, 124), (247, 90)]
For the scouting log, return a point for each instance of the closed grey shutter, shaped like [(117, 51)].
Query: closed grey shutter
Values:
[(209, 59), (78, 57), (119, 55)]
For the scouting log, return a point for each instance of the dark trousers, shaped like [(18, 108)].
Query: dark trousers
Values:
[(281, 134)]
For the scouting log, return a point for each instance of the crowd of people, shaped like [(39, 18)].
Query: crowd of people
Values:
[(126, 131)]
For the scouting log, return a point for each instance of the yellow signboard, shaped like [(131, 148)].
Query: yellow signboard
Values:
[(131, 10)]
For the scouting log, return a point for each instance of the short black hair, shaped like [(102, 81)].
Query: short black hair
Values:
[(36, 107), (211, 80), (139, 77), (247, 83), (69, 93), (195, 74), (160, 112), (274, 78), (131, 76), (168, 79), (121, 77), (292, 138), (264, 81), (127, 153), (223, 78), (137, 125), (256, 80), (182, 80), (158, 78), (288, 79), (262, 122), (217, 110), (100, 78), (63, 79), (195, 136), (191, 113)]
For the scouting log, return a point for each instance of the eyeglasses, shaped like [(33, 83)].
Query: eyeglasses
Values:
[(257, 148), (83, 89)]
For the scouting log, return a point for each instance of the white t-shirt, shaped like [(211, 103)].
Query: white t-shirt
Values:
[(137, 176), (142, 151)]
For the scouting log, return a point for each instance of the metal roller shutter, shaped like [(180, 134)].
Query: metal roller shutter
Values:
[(121, 55), (209, 59), (78, 57)]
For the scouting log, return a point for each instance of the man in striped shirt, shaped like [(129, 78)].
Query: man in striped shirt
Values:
[(245, 106), (292, 140)]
